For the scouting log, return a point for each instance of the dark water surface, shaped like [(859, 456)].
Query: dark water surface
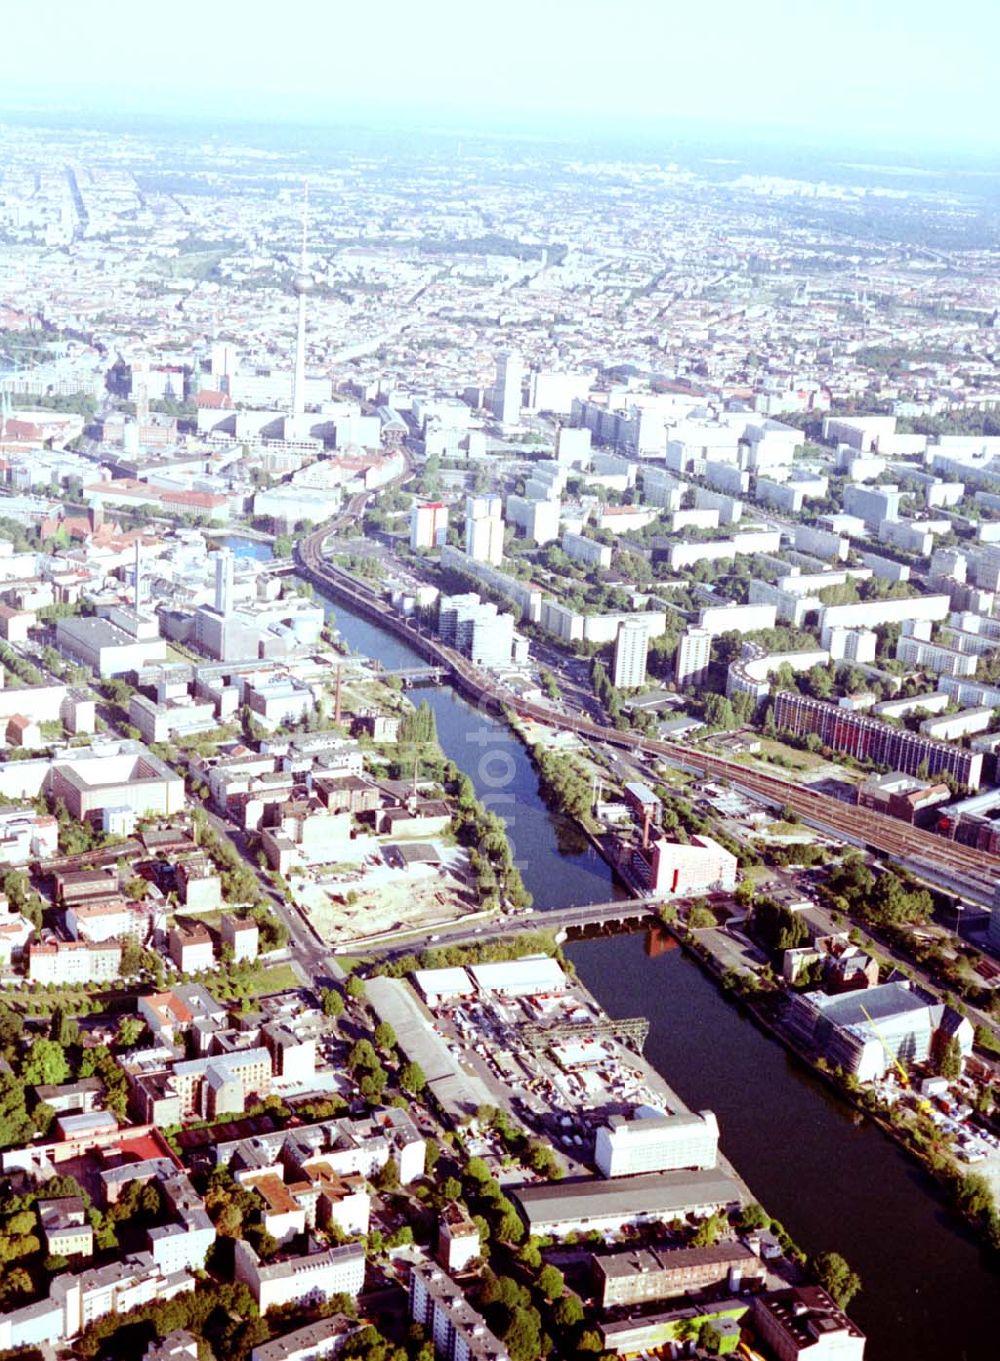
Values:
[(929, 1292)]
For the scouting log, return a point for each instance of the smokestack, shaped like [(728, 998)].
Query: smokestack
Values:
[(138, 575), (647, 818), (336, 701)]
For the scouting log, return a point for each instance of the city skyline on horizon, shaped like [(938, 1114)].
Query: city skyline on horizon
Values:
[(877, 78)]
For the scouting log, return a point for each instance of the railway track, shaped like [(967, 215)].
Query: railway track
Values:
[(886, 835)]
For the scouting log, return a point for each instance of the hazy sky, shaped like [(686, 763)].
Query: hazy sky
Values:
[(885, 69)]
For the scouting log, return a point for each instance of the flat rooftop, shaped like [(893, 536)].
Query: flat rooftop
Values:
[(666, 1193)]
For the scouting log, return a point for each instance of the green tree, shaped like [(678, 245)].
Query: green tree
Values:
[(719, 712), (708, 1231), (63, 1029), (412, 1079), (129, 1032), (477, 1171), (523, 1335), (754, 1216), (551, 1282), (568, 1312), (362, 1056), (950, 1062), (835, 1276), (332, 1002), (45, 1064), (975, 1196), (385, 1036)]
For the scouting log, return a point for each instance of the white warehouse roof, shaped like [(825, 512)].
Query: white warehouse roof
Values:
[(520, 977)]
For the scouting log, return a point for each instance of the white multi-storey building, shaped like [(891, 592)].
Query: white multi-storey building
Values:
[(477, 629), (656, 1143), (484, 529), (582, 549), (74, 961), (505, 398), (631, 648), (301, 1280), (428, 525), (694, 653), (458, 1332)]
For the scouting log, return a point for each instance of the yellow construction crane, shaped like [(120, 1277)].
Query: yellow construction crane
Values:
[(904, 1078)]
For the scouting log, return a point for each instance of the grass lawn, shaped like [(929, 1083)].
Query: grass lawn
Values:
[(670, 775), (278, 978), (213, 920), (797, 760)]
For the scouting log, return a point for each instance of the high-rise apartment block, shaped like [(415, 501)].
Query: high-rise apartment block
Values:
[(477, 629), (505, 398), (631, 647), (694, 653), (868, 739), (428, 525), (459, 1333), (224, 581), (484, 529)]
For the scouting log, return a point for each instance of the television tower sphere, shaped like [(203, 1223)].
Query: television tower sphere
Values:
[(303, 283)]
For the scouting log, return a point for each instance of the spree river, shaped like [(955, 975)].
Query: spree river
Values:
[(834, 1181)]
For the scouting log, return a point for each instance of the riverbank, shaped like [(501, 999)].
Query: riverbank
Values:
[(831, 1179), (943, 1173)]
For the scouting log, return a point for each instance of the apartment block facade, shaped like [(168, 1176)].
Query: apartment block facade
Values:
[(868, 739)]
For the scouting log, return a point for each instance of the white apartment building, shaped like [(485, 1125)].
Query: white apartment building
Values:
[(730, 508), (582, 549), (681, 555), (301, 1280), (74, 1301), (556, 392), (694, 654), (538, 520), (506, 394), (733, 618), (651, 1142), (428, 525), (477, 629), (662, 489), (853, 645), (571, 626), (524, 594), (943, 661), (484, 529), (74, 961), (184, 1243), (26, 835), (573, 447), (458, 1332), (872, 504), (631, 648), (96, 922)]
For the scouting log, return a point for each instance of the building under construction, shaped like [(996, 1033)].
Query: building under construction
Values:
[(867, 1033)]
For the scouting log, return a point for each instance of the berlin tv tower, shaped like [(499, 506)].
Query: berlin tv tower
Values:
[(302, 286)]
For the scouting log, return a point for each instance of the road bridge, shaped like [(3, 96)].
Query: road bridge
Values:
[(417, 675)]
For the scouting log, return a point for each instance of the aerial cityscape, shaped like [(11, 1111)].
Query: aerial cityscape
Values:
[(500, 705)]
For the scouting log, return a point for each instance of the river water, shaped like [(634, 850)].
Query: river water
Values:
[(836, 1183)]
